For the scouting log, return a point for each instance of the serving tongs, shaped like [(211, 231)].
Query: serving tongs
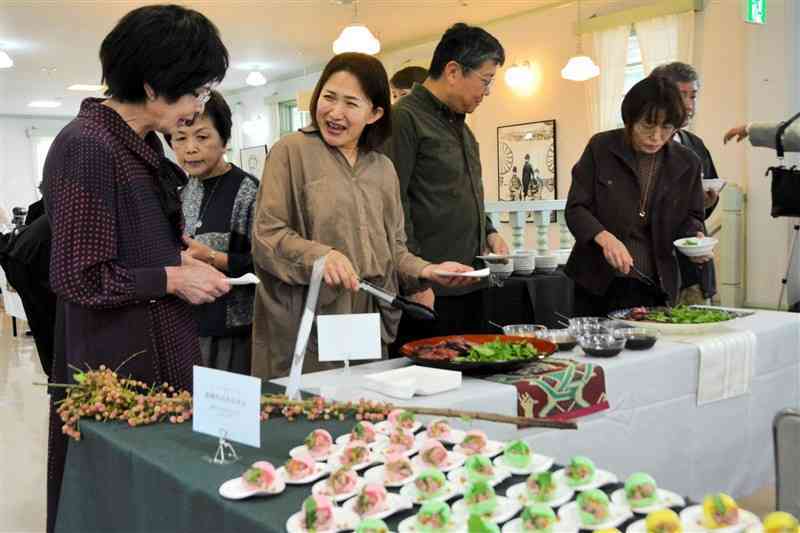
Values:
[(414, 309), (656, 286)]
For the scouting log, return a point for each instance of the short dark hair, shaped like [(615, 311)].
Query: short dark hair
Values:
[(219, 113), (650, 98), (677, 72), (173, 49), (374, 82), (469, 46), (405, 78)]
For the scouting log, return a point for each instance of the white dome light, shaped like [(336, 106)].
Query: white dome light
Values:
[(256, 79), (580, 68), (5, 60), (356, 38)]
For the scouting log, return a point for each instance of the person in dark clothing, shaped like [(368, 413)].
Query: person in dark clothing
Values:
[(218, 206), (527, 176), (111, 196), (698, 281), (26, 262), (404, 79)]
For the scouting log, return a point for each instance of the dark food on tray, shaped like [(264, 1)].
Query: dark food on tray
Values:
[(681, 314), (460, 350)]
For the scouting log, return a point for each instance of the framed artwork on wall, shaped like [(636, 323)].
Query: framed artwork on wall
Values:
[(253, 159), (526, 162)]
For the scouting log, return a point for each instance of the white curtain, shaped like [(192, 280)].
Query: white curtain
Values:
[(666, 39), (609, 49)]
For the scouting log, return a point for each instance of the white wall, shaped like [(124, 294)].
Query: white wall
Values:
[(18, 181)]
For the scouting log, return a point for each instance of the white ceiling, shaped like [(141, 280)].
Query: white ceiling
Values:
[(283, 36)]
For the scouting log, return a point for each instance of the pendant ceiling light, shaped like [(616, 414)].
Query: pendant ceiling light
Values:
[(580, 67), (256, 79), (356, 38), (5, 60)]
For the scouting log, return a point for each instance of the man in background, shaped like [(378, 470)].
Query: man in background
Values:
[(404, 79), (698, 282)]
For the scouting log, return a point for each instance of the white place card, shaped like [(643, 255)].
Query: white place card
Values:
[(349, 337), (227, 405)]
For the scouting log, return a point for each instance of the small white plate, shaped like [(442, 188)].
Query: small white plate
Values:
[(454, 437), (322, 470), (601, 477), (453, 461), (515, 526), (539, 463), (237, 489), (334, 461), (493, 448), (386, 428), (302, 451), (692, 517), (247, 279), (562, 495), (343, 520), (321, 488), (344, 440), (380, 450), (482, 273), (715, 185), (377, 474), (506, 509), (666, 499), (410, 491), (395, 504), (495, 258), (409, 525), (617, 515), (459, 476)]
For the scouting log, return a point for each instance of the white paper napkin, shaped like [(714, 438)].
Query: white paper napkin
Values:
[(726, 363)]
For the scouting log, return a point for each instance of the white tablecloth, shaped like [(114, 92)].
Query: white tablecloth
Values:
[(654, 423)]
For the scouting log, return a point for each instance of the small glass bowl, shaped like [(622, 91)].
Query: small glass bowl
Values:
[(601, 344), (563, 338), (637, 338), (524, 330), (578, 325)]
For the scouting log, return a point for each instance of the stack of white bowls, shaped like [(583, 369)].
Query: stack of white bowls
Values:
[(546, 263), (563, 255), (500, 269), (524, 262)]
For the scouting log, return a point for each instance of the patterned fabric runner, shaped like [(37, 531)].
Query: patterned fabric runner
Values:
[(560, 389)]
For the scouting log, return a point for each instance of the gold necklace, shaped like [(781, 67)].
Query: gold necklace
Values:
[(644, 197)]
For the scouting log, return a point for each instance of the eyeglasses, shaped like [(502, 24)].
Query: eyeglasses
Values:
[(203, 94), (665, 131), (487, 82)]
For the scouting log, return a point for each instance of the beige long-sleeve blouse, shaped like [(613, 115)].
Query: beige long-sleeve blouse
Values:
[(311, 201)]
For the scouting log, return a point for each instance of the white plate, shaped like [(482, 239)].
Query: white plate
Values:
[(493, 448), (247, 279), (334, 461), (666, 499), (495, 258), (482, 273), (344, 440), (562, 495), (377, 474), (343, 520), (454, 437), (459, 476), (395, 504), (453, 461), (601, 477), (321, 487), (617, 515), (692, 518), (237, 489), (409, 525), (385, 428), (515, 526), (410, 492), (506, 509), (302, 451), (539, 463), (380, 450), (714, 185), (322, 470)]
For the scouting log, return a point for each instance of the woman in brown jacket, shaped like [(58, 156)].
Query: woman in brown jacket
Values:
[(634, 191), (327, 192)]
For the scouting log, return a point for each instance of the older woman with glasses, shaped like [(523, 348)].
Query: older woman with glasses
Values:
[(634, 191), (123, 285)]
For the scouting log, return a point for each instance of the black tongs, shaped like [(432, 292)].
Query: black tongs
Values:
[(414, 309), (656, 286)]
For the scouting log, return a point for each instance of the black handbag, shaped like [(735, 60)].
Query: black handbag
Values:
[(785, 181)]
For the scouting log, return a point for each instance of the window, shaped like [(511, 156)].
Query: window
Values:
[(291, 118), (634, 68)]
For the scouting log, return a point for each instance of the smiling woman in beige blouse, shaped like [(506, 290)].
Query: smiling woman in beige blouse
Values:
[(326, 191)]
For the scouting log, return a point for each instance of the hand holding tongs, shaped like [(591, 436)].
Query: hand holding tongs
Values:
[(414, 309)]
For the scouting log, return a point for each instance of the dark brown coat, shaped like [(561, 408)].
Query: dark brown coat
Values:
[(605, 196)]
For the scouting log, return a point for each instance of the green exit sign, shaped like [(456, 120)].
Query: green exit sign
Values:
[(755, 11)]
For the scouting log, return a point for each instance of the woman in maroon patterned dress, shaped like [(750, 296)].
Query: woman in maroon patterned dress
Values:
[(116, 264)]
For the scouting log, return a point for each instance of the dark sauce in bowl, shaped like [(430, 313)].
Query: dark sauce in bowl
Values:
[(566, 346), (640, 342), (602, 352)]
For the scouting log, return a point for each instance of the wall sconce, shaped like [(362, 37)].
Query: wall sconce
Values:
[(520, 76)]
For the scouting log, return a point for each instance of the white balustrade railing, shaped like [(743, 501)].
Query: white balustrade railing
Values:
[(541, 211)]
